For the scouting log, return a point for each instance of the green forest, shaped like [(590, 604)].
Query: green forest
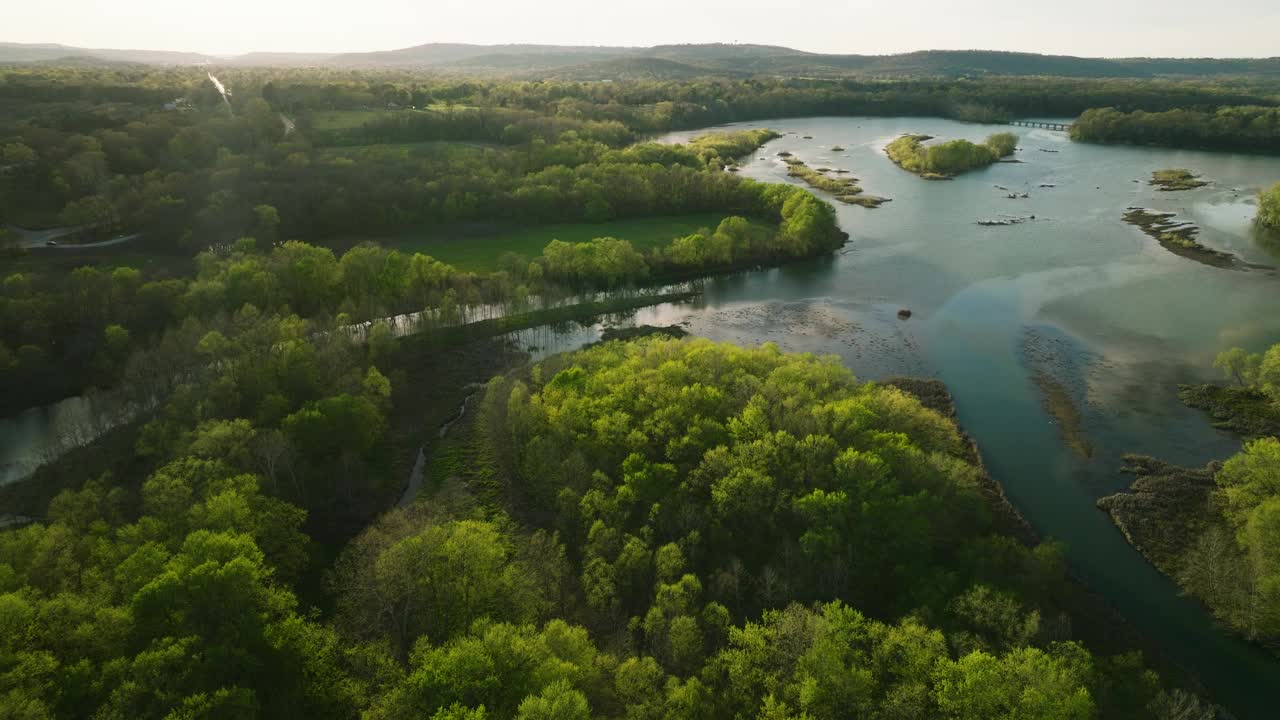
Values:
[(1242, 128), (325, 479), (601, 561), (65, 332)]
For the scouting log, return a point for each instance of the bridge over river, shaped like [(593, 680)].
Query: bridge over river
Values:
[(1063, 127)]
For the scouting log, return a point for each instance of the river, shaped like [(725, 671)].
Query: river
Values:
[(1075, 296)]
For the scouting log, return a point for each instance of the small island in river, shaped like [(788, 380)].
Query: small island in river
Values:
[(944, 161), (845, 189), (1176, 179), (1178, 238)]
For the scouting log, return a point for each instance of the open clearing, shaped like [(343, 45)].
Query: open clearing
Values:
[(477, 248)]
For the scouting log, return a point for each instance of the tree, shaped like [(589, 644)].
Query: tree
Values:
[(266, 222), (1250, 484), (1002, 144), (1269, 207), (433, 581), (557, 701), (1239, 365), (1026, 683), (93, 212), (17, 154)]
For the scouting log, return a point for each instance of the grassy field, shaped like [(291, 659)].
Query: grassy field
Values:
[(477, 249), (343, 119), (438, 149), (65, 259)]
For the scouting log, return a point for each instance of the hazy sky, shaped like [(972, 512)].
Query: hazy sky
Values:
[(1224, 28)]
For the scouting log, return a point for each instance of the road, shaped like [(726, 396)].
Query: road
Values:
[(40, 238)]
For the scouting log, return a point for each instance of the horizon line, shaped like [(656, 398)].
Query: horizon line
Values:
[(333, 53)]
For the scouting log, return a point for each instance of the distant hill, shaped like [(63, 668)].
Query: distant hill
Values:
[(260, 59), (489, 56), (682, 61), (19, 52), (630, 68)]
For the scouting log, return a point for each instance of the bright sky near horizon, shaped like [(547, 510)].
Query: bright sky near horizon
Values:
[(1101, 28)]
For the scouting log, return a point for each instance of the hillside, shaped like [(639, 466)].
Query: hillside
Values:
[(49, 52), (491, 56), (633, 68), (683, 61)]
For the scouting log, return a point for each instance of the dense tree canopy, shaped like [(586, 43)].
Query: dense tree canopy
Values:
[(695, 484), (1242, 128), (941, 160), (682, 531)]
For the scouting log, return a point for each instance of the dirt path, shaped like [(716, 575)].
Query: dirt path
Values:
[(41, 238)]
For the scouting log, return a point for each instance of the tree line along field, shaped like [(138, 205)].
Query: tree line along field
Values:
[(64, 333), (478, 249)]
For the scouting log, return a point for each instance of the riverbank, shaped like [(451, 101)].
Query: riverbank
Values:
[(426, 353), (1095, 620), (1241, 410), (934, 395)]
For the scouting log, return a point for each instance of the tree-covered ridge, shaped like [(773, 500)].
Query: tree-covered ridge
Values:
[(171, 593), (946, 159), (1243, 128)]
